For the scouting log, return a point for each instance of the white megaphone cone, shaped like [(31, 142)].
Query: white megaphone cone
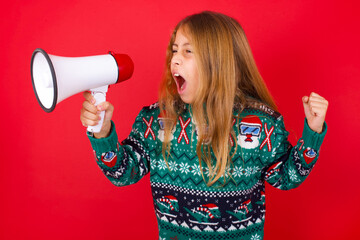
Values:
[(56, 78)]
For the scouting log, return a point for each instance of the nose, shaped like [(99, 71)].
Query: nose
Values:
[(176, 60)]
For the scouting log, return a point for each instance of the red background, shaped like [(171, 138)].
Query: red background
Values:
[(50, 185)]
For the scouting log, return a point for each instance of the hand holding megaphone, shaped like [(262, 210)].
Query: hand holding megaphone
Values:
[(56, 78), (90, 114)]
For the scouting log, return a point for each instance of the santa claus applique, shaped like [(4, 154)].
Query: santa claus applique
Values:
[(250, 131)]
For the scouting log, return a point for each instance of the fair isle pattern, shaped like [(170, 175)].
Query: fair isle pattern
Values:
[(234, 207), (207, 194)]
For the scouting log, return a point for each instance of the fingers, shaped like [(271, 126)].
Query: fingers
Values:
[(88, 97), (90, 101), (108, 108), (88, 118), (314, 97), (305, 99), (105, 106), (316, 111), (88, 106), (317, 98), (316, 103), (90, 114)]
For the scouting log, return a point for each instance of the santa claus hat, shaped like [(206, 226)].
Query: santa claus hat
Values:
[(210, 206), (252, 119)]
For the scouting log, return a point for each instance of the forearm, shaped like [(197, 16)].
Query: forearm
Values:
[(123, 164), (294, 164)]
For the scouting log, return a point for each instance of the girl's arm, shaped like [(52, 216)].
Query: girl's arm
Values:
[(122, 163), (315, 108), (291, 165), (90, 115)]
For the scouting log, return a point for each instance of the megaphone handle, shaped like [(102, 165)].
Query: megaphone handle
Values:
[(100, 96)]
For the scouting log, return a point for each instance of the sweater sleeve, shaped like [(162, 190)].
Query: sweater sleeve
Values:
[(123, 163), (290, 165)]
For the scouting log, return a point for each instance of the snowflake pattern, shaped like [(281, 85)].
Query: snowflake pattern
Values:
[(153, 164), (162, 164), (206, 171), (255, 237), (196, 169), (292, 175), (173, 166), (256, 169), (238, 171), (184, 168), (227, 172), (248, 171)]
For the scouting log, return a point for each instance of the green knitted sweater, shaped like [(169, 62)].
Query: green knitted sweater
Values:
[(186, 208)]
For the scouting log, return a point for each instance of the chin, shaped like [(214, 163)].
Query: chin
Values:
[(187, 99)]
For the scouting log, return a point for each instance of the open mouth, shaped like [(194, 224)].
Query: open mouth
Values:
[(180, 82)]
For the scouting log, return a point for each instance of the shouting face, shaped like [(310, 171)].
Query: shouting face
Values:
[(184, 68)]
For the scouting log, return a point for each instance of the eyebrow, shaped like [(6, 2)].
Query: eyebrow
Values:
[(185, 44)]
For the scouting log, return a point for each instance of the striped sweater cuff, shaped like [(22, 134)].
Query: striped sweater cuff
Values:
[(312, 138), (107, 144)]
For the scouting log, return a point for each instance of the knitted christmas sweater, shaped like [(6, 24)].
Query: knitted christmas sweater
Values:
[(186, 208)]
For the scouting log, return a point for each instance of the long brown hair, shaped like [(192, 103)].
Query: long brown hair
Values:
[(228, 75)]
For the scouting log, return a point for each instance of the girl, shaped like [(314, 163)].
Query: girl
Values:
[(212, 140)]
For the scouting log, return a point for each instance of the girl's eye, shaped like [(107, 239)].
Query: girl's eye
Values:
[(188, 51), (174, 51)]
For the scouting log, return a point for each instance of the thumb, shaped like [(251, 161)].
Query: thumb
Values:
[(108, 108), (305, 99), (104, 106)]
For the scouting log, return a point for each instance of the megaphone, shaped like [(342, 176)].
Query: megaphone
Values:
[(55, 78)]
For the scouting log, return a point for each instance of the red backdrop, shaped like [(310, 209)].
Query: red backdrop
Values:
[(50, 185)]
